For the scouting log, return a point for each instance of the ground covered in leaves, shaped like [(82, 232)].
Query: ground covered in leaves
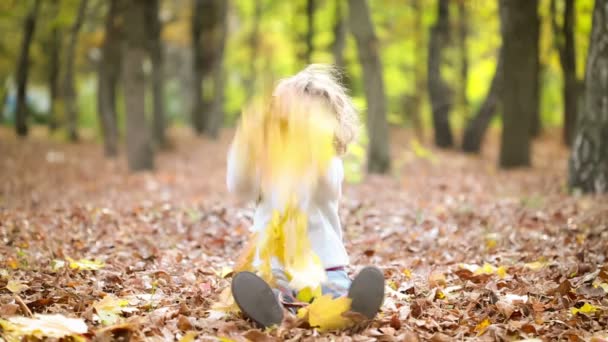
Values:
[(468, 251)]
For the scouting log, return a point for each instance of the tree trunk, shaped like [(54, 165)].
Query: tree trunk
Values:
[(198, 65), (155, 50), (419, 71), (534, 31), (439, 92), (69, 90), (310, 33), (254, 39), (139, 147), (589, 159), (108, 76), (367, 46), (21, 110), (339, 37), (564, 42), (463, 54), (54, 69), (478, 125), (216, 117), (519, 80)]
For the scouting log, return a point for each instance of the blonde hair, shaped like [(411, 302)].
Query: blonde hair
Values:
[(319, 82)]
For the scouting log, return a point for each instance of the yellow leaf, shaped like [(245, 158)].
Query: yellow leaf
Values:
[(604, 286), (307, 294), (407, 273), (86, 265), (392, 284), (15, 286), (190, 336), (501, 272), (110, 308), (536, 265), (585, 309), (42, 326), (326, 313), (12, 263), (226, 339), (482, 327)]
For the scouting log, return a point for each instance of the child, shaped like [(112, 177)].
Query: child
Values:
[(313, 88)]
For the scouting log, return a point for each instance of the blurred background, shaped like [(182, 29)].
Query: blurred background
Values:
[(126, 72)]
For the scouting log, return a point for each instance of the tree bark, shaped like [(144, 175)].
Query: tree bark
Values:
[(439, 92), (519, 80), (339, 42), (463, 32), (54, 69), (367, 46), (589, 159), (415, 110), (310, 33), (216, 117), (155, 50), (564, 43), (139, 147), (108, 76), (21, 110), (478, 125), (69, 90), (198, 65), (534, 31)]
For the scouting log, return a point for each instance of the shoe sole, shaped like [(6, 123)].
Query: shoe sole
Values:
[(256, 299), (367, 292)]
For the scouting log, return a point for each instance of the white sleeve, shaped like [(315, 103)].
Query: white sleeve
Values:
[(330, 186), (240, 176)]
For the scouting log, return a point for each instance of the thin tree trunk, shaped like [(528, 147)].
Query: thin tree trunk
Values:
[(367, 46), (463, 32), (439, 92), (69, 90), (54, 69), (534, 31), (478, 125), (139, 147), (21, 110), (419, 71), (310, 33), (197, 116), (519, 76), (216, 117), (564, 42), (254, 39), (155, 50), (108, 76), (339, 36), (589, 159)]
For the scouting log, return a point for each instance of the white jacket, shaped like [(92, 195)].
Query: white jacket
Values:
[(324, 229)]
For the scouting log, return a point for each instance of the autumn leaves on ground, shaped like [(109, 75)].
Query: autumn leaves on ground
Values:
[(469, 252)]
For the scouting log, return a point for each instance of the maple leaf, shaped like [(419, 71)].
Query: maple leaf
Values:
[(326, 313), (585, 309), (85, 265), (43, 326), (110, 308)]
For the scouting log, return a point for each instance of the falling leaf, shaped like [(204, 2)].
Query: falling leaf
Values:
[(306, 295), (43, 326), (482, 327), (15, 286), (85, 265), (110, 308), (326, 313), (585, 309)]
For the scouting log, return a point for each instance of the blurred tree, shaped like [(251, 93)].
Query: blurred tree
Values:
[(23, 63), (139, 147), (564, 42), (339, 31), (310, 32), (361, 26), (254, 42), (439, 92), (155, 51), (69, 89), (463, 28), (539, 69), (478, 125), (209, 26), (589, 159), (53, 45), (109, 74), (518, 96)]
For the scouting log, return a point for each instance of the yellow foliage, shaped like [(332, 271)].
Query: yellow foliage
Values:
[(482, 327), (43, 326), (585, 309), (307, 294), (84, 264), (325, 313)]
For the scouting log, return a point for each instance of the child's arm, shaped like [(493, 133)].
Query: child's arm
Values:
[(330, 183), (241, 175)]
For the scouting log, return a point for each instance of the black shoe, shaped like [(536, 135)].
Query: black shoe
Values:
[(256, 299), (367, 292)]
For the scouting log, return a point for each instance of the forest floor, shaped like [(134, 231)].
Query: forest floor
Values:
[(468, 251)]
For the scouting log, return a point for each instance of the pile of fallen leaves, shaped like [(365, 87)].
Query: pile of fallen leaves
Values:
[(469, 252)]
